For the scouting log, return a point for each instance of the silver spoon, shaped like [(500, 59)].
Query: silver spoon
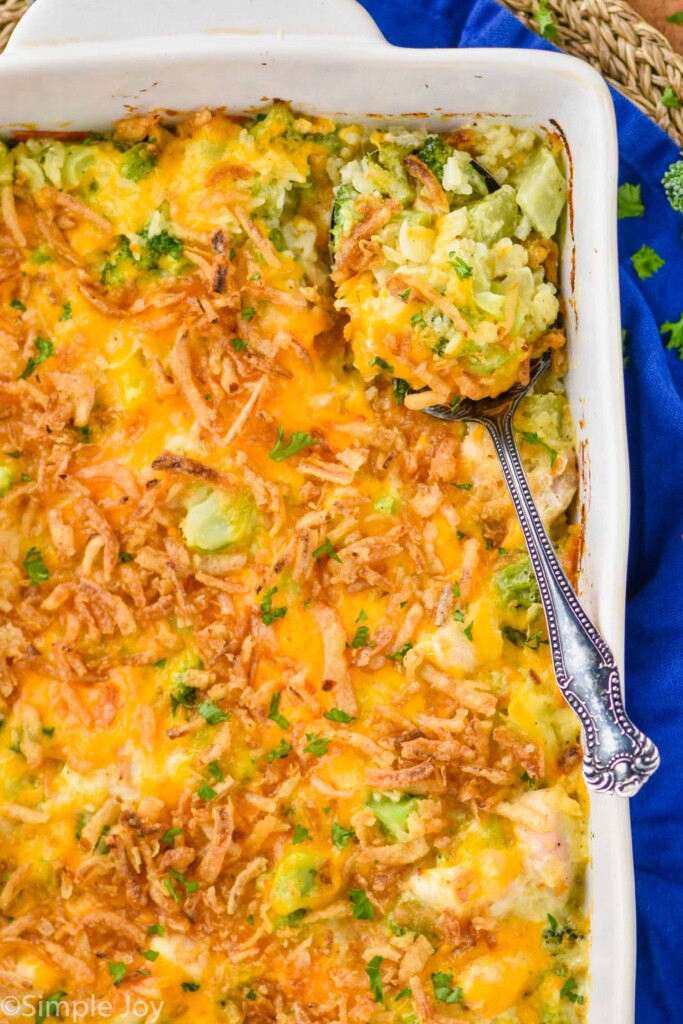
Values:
[(618, 757)]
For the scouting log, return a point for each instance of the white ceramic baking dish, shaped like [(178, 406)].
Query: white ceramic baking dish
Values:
[(80, 64)]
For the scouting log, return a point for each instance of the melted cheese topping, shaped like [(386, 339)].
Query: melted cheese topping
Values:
[(280, 734)]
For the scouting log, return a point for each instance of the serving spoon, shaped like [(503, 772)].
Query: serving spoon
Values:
[(618, 757)]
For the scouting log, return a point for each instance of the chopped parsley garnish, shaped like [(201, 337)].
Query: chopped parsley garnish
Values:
[(404, 295), (49, 731), (676, 18), (168, 838), (444, 990), (155, 929), (49, 1006), (534, 641), (248, 313), (281, 750), (117, 971), (337, 715), (670, 99), (190, 986), (214, 769), (532, 438), (66, 312), (212, 713), (16, 304), (468, 631), (238, 344), (341, 835), (556, 933), (646, 262), (362, 638), (297, 442), (35, 567), (675, 332), (301, 834), (568, 991), (462, 269), (382, 364), (463, 487), (274, 711), (362, 907), (403, 994), (138, 163), (373, 973), (326, 549), (361, 617), (317, 744), (189, 886), (125, 556), (629, 202), (546, 22), (401, 653), (149, 954), (268, 613), (206, 792), (45, 350), (250, 995), (401, 389), (458, 615)]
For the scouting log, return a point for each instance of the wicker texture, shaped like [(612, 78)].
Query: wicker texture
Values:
[(10, 12), (631, 54)]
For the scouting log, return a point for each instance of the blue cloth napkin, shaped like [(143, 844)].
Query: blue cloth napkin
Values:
[(654, 398)]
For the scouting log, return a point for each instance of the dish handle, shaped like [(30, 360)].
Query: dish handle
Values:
[(71, 22)]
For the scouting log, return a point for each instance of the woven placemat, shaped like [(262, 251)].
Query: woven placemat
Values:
[(631, 54)]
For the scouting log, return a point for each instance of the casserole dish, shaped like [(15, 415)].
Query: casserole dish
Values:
[(317, 68)]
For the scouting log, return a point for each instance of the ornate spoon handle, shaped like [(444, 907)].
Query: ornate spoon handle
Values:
[(618, 757)]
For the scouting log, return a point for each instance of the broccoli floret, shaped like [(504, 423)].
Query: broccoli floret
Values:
[(158, 246), (673, 185), (77, 161), (494, 217), (6, 164), (393, 815), (138, 162), (344, 213), (219, 520), (387, 173), (295, 882), (330, 141), (516, 585), (120, 260), (6, 480), (435, 152), (278, 121), (542, 192)]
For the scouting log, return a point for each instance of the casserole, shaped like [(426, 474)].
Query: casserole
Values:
[(42, 87)]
